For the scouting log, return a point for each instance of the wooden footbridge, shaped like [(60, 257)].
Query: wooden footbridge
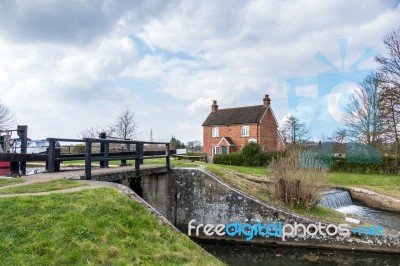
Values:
[(95, 150)]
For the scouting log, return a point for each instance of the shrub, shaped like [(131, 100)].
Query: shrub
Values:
[(294, 185), (251, 154)]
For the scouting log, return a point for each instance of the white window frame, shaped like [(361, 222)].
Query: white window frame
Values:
[(215, 150), (214, 132), (245, 131)]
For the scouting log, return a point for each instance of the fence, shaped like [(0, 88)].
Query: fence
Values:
[(138, 154)]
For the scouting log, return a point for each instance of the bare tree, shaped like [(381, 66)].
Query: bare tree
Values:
[(390, 112), (389, 67), (295, 131), (7, 119), (339, 136), (125, 126), (362, 117), (338, 140), (389, 75), (94, 131)]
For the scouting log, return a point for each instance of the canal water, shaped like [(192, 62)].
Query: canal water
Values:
[(341, 201), (385, 219), (248, 255)]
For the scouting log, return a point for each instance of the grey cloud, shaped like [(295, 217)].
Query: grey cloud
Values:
[(71, 21)]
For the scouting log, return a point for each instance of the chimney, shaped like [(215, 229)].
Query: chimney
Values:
[(267, 101), (214, 106)]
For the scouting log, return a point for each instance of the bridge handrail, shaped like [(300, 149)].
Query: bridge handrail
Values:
[(123, 141), (54, 154)]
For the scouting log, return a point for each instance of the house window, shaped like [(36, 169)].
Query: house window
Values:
[(245, 131), (214, 150), (214, 132)]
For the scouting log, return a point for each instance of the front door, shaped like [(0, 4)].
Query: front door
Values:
[(224, 150)]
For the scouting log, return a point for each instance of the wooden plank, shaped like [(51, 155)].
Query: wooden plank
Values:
[(119, 155), (18, 157)]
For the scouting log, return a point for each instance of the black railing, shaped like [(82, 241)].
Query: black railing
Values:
[(138, 154)]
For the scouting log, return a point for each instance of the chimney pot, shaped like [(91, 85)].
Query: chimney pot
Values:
[(214, 106), (266, 101)]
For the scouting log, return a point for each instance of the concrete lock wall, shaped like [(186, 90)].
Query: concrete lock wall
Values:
[(160, 192), (186, 194)]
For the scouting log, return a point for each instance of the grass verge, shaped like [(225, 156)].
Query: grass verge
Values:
[(43, 186), (78, 228), (10, 181), (380, 183)]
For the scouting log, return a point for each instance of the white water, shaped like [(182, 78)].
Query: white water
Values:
[(336, 199), (341, 201)]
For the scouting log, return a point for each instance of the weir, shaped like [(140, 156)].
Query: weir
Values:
[(336, 199)]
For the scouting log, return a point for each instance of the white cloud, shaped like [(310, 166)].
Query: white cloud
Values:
[(62, 62)]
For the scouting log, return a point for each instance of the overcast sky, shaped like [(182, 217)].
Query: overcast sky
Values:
[(68, 65)]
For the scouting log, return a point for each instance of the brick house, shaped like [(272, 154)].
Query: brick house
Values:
[(228, 130)]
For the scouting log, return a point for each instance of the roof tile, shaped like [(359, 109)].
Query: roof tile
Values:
[(238, 115)]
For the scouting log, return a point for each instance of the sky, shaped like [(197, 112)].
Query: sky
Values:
[(66, 66)]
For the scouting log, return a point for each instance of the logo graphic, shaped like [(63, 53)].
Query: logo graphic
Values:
[(280, 230), (321, 100)]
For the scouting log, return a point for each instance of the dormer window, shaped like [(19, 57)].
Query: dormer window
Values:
[(214, 132), (246, 131)]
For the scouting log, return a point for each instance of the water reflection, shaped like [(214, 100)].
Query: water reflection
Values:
[(248, 255)]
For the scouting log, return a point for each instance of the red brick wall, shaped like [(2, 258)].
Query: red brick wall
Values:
[(269, 138), (232, 131)]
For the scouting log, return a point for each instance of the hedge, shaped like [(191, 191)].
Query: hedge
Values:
[(387, 165), (261, 159)]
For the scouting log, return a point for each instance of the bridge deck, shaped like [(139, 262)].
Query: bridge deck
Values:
[(103, 174)]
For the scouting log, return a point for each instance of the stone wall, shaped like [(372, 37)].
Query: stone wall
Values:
[(186, 194), (196, 194)]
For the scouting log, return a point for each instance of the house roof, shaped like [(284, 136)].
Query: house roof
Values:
[(228, 140), (238, 115)]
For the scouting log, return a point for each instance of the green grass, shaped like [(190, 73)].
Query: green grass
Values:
[(43, 186), (320, 212), (91, 227), (256, 171), (380, 183), (10, 181)]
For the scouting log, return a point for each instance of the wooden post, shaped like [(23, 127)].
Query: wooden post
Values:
[(138, 153), (167, 159), (57, 154), (106, 153), (52, 155), (22, 132), (88, 159), (141, 153), (123, 162), (103, 164)]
